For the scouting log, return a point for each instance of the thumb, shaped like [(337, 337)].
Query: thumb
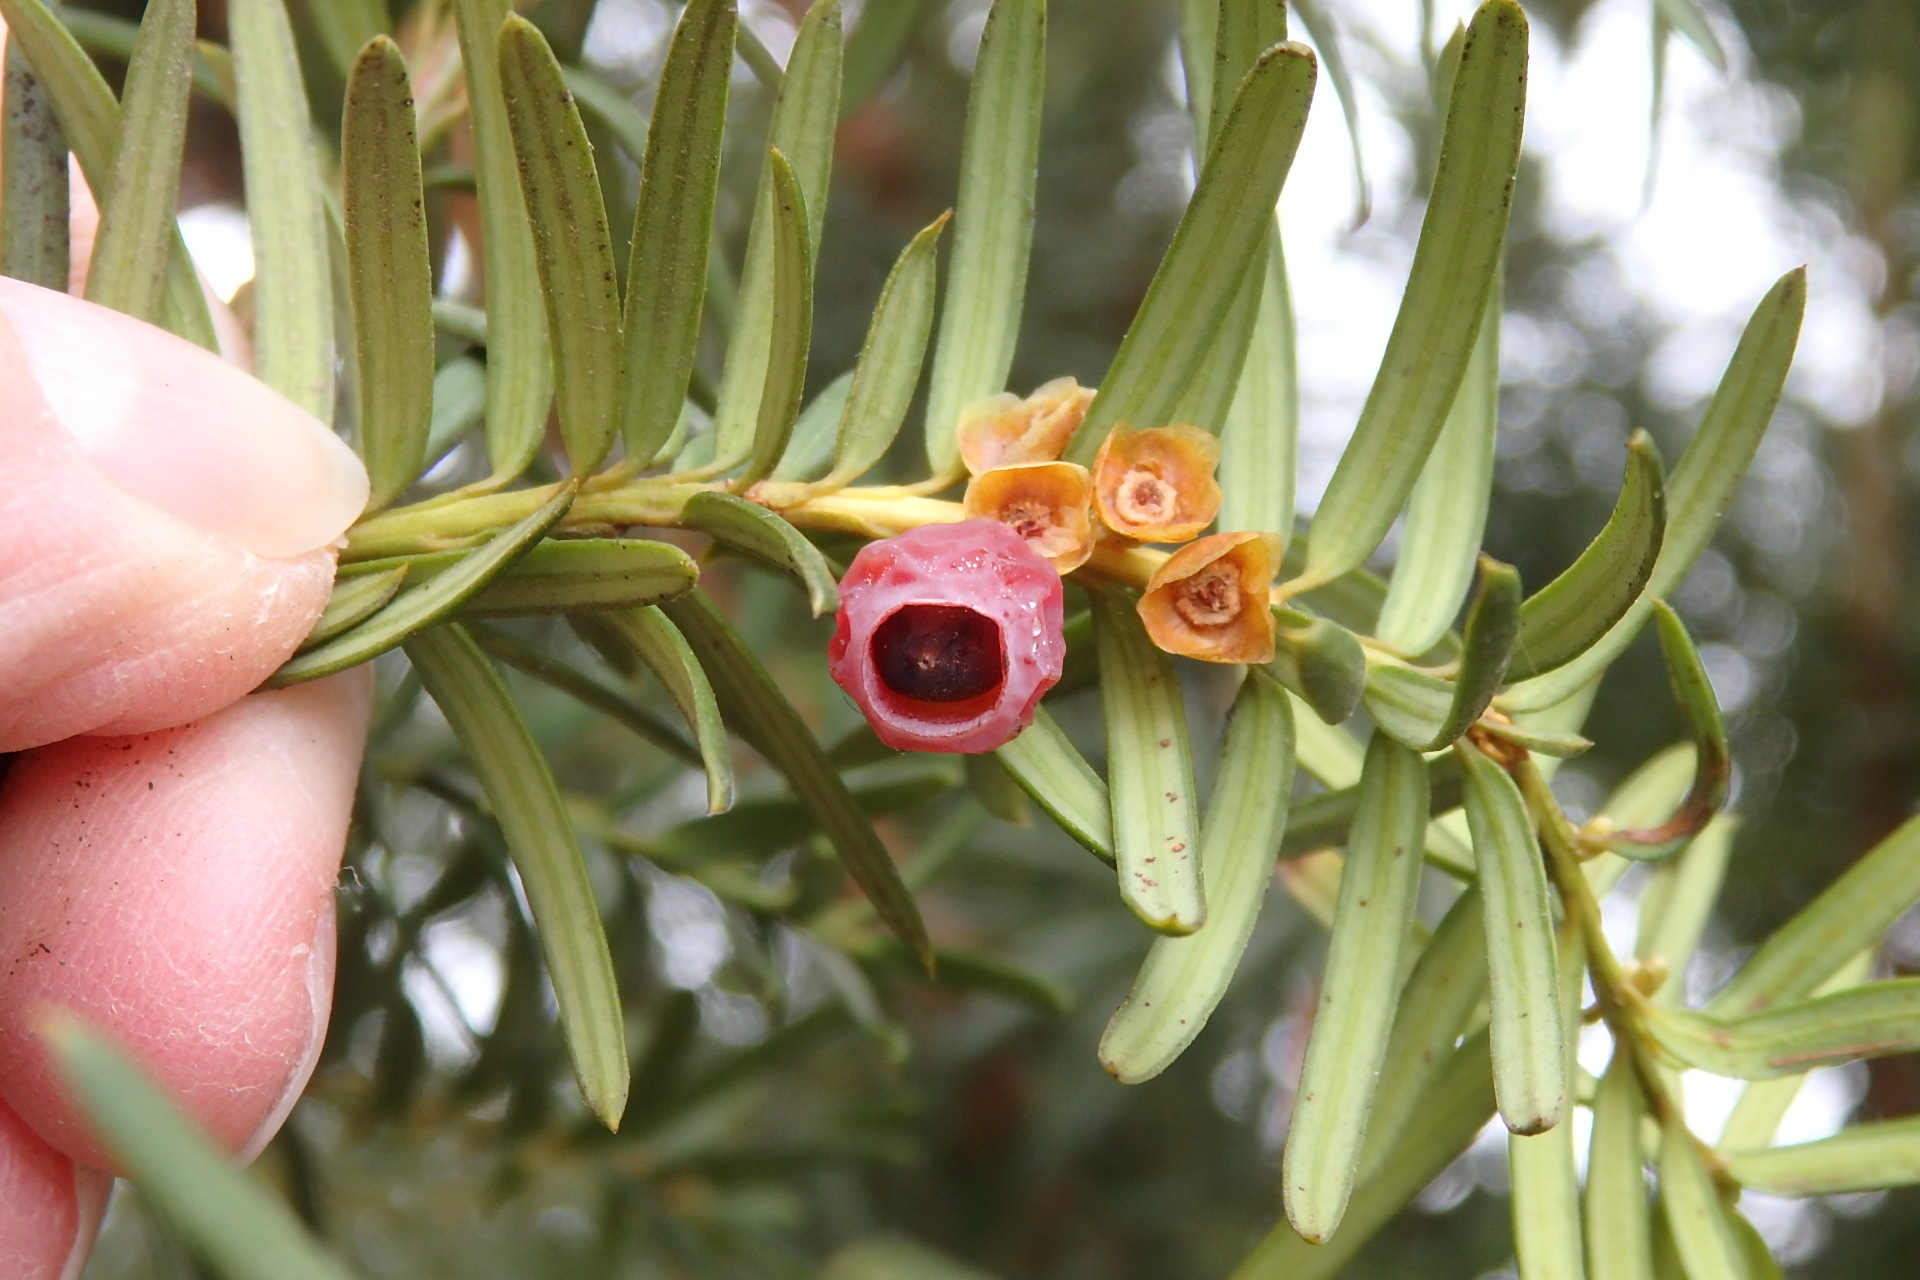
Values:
[(167, 523)]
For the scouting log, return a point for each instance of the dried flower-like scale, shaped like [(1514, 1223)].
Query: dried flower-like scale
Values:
[(948, 635), (1157, 485), (1005, 429), (1047, 503), (1210, 600)]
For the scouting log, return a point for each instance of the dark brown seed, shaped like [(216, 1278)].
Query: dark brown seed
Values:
[(939, 653)]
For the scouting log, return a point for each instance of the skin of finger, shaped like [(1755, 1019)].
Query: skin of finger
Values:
[(50, 1208), (118, 616), (175, 890)]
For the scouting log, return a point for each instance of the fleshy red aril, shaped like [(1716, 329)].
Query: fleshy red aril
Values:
[(948, 635)]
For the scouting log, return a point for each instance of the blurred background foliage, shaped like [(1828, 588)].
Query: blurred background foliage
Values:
[(798, 1113)]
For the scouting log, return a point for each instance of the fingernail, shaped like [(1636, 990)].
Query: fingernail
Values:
[(91, 1191), (174, 425), (319, 956)]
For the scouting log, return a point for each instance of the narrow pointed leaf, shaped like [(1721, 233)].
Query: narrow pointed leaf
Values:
[(1529, 1045), (748, 527), (1618, 1220), (389, 274), (673, 224), (540, 836), (1869, 1021), (1547, 1239), (1702, 1235), (1261, 436), (353, 600), (1713, 759), (666, 653), (875, 47), (519, 369), (994, 789), (816, 433), (1050, 769), (1324, 820), (1763, 1104), (1570, 614), (616, 704), (755, 706), (1492, 622), (1824, 935), (1690, 20), (1454, 267), (587, 573), (889, 366), (33, 181), (1408, 704), (1326, 38), (1156, 834), (1863, 1157), (1447, 512), (1358, 994), (425, 604), (572, 245), (128, 271), (227, 1217), (791, 330), (1227, 221), (804, 115), (993, 223), (1182, 979), (89, 118), (1447, 983), (1702, 486), (1216, 376), (292, 277), (1444, 1121), (1677, 903)]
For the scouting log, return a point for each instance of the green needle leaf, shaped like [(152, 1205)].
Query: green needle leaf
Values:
[(1529, 1044), (874, 48), (1428, 713), (1323, 821), (616, 704), (889, 366), (1702, 1234), (1446, 299), (90, 122), (1618, 1222), (673, 224), (1150, 766), (1358, 994), (1321, 661), (1702, 487), (1713, 767), (1690, 20), (587, 573), (816, 433), (128, 271), (993, 227), (1868, 1021), (425, 604), (1182, 979), (1546, 1184), (804, 115), (666, 653), (389, 272), (1569, 615), (1444, 1121), (751, 528), (33, 181), (1227, 222), (757, 708), (792, 324), (519, 368), (540, 836), (1410, 705), (1050, 769), (1865, 1157), (1447, 512), (1261, 436), (222, 1212), (354, 599), (572, 244), (1763, 1104), (1827, 933), (292, 277)]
